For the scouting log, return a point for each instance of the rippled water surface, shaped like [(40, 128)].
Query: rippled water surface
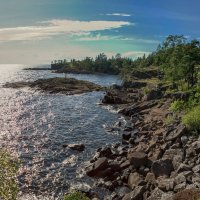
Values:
[(35, 125)]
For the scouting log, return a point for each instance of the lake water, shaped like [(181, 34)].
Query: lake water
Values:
[(35, 125)]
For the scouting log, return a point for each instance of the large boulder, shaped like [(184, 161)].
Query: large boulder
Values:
[(196, 146), (162, 167), (165, 184), (177, 133), (176, 155), (77, 147), (153, 94), (134, 180), (98, 168), (183, 168), (122, 191), (156, 194), (136, 194), (137, 159), (187, 194), (112, 98), (126, 135), (105, 152)]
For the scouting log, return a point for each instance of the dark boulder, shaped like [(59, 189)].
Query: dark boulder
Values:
[(162, 167), (136, 194), (77, 147), (106, 152), (177, 133), (126, 135), (137, 159), (97, 168), (111, 98), (153, 94)]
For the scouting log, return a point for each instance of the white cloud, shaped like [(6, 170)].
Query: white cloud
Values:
[(47, 29), (147, 41), (98, 37), (135, 54), (119, 14)]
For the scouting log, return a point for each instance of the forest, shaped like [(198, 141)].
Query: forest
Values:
[(101, 64), (176, 58)]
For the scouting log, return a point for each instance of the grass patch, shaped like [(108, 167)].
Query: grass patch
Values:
[(177, 105), (76, 195), (192, 119), (169, 119), (8, 170)]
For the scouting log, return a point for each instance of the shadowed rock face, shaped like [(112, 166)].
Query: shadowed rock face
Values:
[(188, 194), (68, 86)]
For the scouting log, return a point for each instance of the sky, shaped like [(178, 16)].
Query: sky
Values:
[(39, 31)]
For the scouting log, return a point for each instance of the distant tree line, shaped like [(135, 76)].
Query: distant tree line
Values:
[(101, 64), (177, 58)]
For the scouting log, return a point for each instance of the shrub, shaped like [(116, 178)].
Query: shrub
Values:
[(8, 171), (192, 119), (177, 105), (76, 195), (193, 100), (147, 90), (169, 119)]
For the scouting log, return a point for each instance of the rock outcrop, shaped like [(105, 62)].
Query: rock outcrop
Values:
[(155, 160), (68, 86)]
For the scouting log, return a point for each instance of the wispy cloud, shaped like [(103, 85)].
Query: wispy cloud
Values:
[(141, 40), (100, 37), (47, 29), (119, 14)]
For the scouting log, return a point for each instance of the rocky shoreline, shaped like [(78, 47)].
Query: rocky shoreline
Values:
[(156, 160), (68, 86)]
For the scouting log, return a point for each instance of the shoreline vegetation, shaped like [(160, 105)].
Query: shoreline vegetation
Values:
[(101, 64), (159, 154)]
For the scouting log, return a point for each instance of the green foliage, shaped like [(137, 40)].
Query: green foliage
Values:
[(177, 105), (169, 119), (101, 64), (192, 119), (178, 61), (76, 195), (8, 171), (170, 91), (147, 90)]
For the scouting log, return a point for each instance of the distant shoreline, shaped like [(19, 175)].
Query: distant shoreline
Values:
[(59, 71), (37, 68)]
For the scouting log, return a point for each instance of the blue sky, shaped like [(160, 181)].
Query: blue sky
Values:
[(38, 31)]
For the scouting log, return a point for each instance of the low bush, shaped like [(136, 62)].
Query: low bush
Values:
[(8, 171), (169, 119), (177, 105), (192, 119), (76, 195)]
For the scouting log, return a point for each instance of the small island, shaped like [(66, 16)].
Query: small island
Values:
[(68, 86)]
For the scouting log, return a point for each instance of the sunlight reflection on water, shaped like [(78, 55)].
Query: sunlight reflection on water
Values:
[(35, 125)]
